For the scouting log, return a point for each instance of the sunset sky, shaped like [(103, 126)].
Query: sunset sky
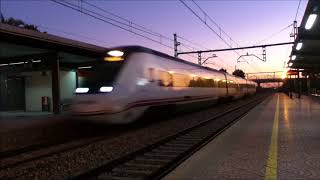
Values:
[(247, 22)]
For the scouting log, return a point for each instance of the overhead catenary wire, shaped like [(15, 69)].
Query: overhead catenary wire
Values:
[(96, 15), (216, 24), (125, 26), (131, 23), (151, 31), (295, 18), (208, 26), (274, 34), (128, 23), (72, 34)]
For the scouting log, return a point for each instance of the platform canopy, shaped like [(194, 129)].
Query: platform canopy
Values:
[(22, 44), (307, 57), (23, 50)]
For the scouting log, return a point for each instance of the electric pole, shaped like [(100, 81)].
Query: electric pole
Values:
[(176, 44)]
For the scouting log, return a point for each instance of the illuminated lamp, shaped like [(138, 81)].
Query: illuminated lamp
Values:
[(299, 46), (106, 89), (113, 58), (115, 53), (82, 90), (311, 19)]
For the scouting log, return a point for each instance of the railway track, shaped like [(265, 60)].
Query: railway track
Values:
[(156, 160), (13, 158)]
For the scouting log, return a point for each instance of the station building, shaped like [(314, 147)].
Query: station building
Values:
[(38, 71)]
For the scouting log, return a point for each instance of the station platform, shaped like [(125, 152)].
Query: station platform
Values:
[(278, 139)]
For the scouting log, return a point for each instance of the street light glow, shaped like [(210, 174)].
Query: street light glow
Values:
[(311, 19)]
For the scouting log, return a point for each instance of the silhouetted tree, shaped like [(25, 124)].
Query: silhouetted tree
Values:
[(239, 73), (2, 18), (18, 23), (223, 70)]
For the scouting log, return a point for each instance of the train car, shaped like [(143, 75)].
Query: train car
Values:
[(129, 80)]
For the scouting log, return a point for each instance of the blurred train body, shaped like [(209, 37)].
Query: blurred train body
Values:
[(130, 80)]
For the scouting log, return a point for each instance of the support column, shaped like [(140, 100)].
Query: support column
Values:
[(55, 70), (309, 84), (299, 85)]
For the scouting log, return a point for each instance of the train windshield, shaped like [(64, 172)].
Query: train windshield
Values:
[(98, 74)]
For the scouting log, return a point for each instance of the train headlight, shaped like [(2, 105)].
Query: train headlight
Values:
[(106, 89), (82, 90), (115, 53)]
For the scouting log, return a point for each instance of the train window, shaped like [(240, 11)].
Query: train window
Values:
[(96, 74), (165, 78), (222, 84), (180, 80), (150, 74)]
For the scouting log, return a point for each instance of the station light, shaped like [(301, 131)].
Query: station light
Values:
[(290, 64), (82, 90), (311, 19), (293, 57), (115, 53), (299, 46), (106, 89), (4, 64), (36, 61), (17, 63), (85, 67)]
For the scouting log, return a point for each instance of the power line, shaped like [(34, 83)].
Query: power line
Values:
[(297, 10), (206, 24), (238, 48), (222, 32), (129, 21), (72, 34), (191, 42), (216, 24), (129, 24), (274, 34), (103, 18), (203, 21)]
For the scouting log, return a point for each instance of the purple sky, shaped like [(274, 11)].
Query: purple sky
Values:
[(247, 22)]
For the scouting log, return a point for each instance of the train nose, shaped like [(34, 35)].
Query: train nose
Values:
[(85, 106), (90, 107)]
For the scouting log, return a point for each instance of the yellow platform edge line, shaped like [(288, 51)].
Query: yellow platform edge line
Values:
[(272, 163)]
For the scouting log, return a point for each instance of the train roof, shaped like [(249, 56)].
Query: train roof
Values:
[(136, 48)]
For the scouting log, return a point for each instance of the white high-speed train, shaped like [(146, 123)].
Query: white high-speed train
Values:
[(129, 80)]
